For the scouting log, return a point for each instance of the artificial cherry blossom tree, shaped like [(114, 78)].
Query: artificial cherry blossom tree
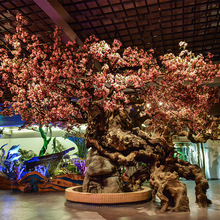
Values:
[(115, 92)]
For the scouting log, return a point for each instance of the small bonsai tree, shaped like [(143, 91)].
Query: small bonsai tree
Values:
[(115, 93)]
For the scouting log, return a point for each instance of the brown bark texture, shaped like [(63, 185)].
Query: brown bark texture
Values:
[(115, 141)]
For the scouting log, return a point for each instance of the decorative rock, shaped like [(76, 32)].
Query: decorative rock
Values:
[(101, 175), (112, 185), (100, 166)]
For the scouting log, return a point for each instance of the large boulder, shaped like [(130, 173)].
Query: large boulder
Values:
[(100, 166), (102, 175)]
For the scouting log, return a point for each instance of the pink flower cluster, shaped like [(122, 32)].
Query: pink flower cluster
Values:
[(59, 83)]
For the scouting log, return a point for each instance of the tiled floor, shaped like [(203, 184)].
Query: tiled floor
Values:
[(51, 206)]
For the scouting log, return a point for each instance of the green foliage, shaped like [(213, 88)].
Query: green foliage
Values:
[(54, 145), (46, 141), (26, 155), (180, 153), (57, 146), (74, 133), (72, 168), (69, 168), (142, 164), (81, 146), (79, 139)]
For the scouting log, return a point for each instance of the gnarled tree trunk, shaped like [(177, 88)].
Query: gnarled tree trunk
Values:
[(115, 142), (169, 189), (103, 174)]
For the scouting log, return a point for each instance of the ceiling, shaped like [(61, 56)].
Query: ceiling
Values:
[(158, 24)]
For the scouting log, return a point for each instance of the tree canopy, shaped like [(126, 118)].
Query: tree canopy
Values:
[(58, 83)]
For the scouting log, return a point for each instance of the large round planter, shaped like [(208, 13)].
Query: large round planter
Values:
[(75, 194)]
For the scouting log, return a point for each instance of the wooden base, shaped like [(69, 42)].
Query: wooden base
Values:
[(75, 194), (4, 183), (36, 182)]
